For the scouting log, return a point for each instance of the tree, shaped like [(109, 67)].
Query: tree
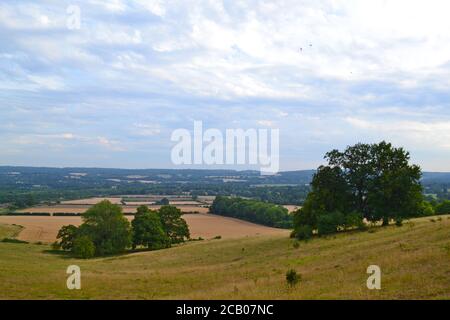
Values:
[(395, 191), (173, 224), (105, 224), (67, 234), (163, 202), (372, 181), (382, 183), (148, 230)]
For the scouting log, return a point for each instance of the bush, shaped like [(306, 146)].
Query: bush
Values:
[(296, 244), (303, 232), (292, 278), (426, 209), (443, 207), (9, 240), (353, 220), (56, 246), (83, 247)]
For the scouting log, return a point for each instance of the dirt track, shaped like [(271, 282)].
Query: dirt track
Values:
[(207, 226)]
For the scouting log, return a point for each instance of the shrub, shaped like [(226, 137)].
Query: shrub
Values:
[(9, 240), (296, 244), (56, 246), (292, 278), (83, 247), (443, 207), (353, 220), (426, 209)]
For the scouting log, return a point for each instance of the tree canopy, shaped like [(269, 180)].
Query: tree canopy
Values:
[(365, 181)]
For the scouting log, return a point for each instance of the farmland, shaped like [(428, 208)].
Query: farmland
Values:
[(82, 208), (414, 259), (45, 229), (128, 203)]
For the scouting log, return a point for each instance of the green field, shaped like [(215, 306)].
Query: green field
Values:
[(414, 259)]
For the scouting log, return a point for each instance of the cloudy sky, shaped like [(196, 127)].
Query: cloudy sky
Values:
[(327, 73)]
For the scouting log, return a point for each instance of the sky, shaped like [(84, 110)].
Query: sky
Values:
[(110, 91)]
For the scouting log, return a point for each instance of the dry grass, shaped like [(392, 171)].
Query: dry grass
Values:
[(45, 229), (414, 259)]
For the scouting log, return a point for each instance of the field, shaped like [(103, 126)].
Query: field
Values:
[(45, 229), (66, 208), (414, 259), (91, 201), (185, 204)]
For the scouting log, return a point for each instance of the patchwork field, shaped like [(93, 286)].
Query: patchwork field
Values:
[(66, 208), (91, 201), (45, 229), (414, 260)]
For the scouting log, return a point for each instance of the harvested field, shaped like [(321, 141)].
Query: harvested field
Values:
[(139, 203), (126, 209), (207, 226), (177, 202), (291, 208), (91, 201)]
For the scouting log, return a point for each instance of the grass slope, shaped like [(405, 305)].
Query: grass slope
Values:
[(414, 259)]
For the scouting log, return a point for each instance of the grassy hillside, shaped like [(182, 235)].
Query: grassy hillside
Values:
[(414, 259)]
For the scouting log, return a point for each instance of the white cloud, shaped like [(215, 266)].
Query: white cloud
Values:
[(47, 82), (331, 70), (417, 134), (146, 130)]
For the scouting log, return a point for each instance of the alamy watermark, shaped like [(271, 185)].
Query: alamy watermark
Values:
[(257, 147), (73, 21), (374, 280), (74, 279)]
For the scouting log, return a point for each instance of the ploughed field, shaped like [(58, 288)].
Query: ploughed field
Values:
[(45, 228), (414, 261)]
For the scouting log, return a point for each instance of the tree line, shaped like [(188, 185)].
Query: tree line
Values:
[(106, 231), (252, 210)]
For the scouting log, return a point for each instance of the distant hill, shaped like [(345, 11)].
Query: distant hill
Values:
[(300, 177)]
